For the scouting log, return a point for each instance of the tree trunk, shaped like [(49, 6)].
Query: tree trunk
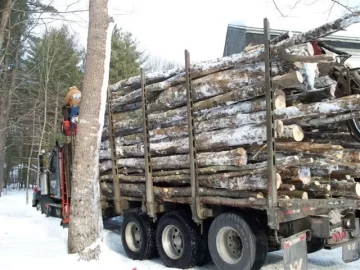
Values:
[(85, 228), (30, 157), (5, 105), (5, 14)]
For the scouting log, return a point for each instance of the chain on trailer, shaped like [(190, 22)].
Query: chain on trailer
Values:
[(199, 212), (270, 130), (120, 204), (150, 202)]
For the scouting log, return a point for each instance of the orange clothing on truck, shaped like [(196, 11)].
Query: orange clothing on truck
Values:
[(73, 97)]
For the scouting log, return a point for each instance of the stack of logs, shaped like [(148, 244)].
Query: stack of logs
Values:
[(313, 158)]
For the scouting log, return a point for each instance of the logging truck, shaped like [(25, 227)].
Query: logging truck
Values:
[(192, 222)]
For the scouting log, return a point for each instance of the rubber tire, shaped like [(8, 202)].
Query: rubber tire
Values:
[(191, 238), (315, 244), (148, 231), (249, 241), (262, 242)]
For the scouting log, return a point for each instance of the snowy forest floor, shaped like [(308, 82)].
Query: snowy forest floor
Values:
[(29, 240)]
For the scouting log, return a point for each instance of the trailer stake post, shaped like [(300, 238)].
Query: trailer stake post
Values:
[(270, 130), (150, 202), (198, 211), (119, 204)]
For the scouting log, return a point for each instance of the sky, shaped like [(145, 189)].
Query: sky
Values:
[(165, 28)]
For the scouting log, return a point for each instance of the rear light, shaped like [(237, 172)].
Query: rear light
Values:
[(36, 189)]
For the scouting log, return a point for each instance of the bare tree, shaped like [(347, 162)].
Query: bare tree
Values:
[(85, 227), (347, 6), (156, 63)]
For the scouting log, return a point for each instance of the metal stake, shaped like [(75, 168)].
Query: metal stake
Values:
[(270, 129), (150, 202), (195, 207), (115, 175)]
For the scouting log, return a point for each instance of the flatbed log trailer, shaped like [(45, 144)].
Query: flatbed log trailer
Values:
[(234, 233)]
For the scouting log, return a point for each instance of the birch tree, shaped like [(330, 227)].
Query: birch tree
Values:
[(85, 227)]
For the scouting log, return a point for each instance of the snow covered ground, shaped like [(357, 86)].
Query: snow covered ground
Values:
[(30, 240)]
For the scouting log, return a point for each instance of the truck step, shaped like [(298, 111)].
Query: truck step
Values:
[(55, 205)]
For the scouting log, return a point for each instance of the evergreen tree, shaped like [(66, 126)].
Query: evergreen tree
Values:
[(126, 57)]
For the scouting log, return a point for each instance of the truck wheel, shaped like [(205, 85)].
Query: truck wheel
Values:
[(177, 240), (315, 244), (232, 243), (138, 236), (262, 244)]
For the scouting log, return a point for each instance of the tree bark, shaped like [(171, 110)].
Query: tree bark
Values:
[(345, 189), (85, 227), (235, 157), (206, 141), (138, 190), (5, 14), (246, 182), (294, 194), (296, 174), (288, 114)]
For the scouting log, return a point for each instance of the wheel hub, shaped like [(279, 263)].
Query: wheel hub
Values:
[(133, 236), (229, 245), (172, 241)]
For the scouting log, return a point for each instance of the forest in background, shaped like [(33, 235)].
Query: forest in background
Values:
[(35, 73)]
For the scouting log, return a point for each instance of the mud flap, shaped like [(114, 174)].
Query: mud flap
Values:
[(351, 251), (295, 252)]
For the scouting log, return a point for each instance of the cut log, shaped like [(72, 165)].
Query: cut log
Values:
[(281, 37), (206, 141), (298, 147), (296, 174), (337, 174), (293, 132), (174, 90), (294, 194), (288, 187), (138, 190), (245, 182), (210, 118), (315, 189), (208, 67), (205, 159), (317, 95), (330, 119), (345, 189), (301, 111)]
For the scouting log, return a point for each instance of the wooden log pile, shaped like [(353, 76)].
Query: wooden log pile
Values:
[(314, 160)]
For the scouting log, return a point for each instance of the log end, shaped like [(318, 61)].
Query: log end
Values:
[(310, 48), (298, 133), (278, 181), (357, 189), (279, 128), (280, 102), (299, 76)]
